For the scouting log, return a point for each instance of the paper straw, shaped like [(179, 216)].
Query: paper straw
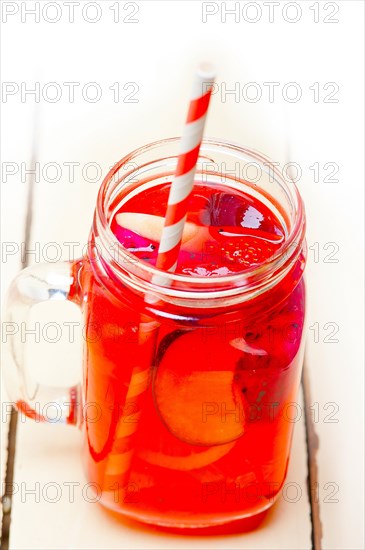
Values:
[(181, 188), (182, 185)]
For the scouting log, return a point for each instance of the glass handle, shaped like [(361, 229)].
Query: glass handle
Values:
[(35, 284)]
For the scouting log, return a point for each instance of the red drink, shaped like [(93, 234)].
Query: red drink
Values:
[(190, 378), (207, 441)]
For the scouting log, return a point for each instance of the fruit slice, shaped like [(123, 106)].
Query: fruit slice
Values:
[(194, 461), (150, 226), (141, 234), (200, 407), (158, 446), (226, 209)]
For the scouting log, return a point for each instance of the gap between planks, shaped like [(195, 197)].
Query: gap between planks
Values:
[(312, 441)]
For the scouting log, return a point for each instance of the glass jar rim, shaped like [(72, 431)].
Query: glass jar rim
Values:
[(255, 278)]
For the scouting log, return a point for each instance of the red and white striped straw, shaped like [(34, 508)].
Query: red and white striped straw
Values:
[(183, 182), (119, 460)]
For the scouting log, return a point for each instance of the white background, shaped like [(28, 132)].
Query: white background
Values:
[(158, 54)]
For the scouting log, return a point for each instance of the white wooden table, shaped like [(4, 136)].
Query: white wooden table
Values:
[(157, 55)]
